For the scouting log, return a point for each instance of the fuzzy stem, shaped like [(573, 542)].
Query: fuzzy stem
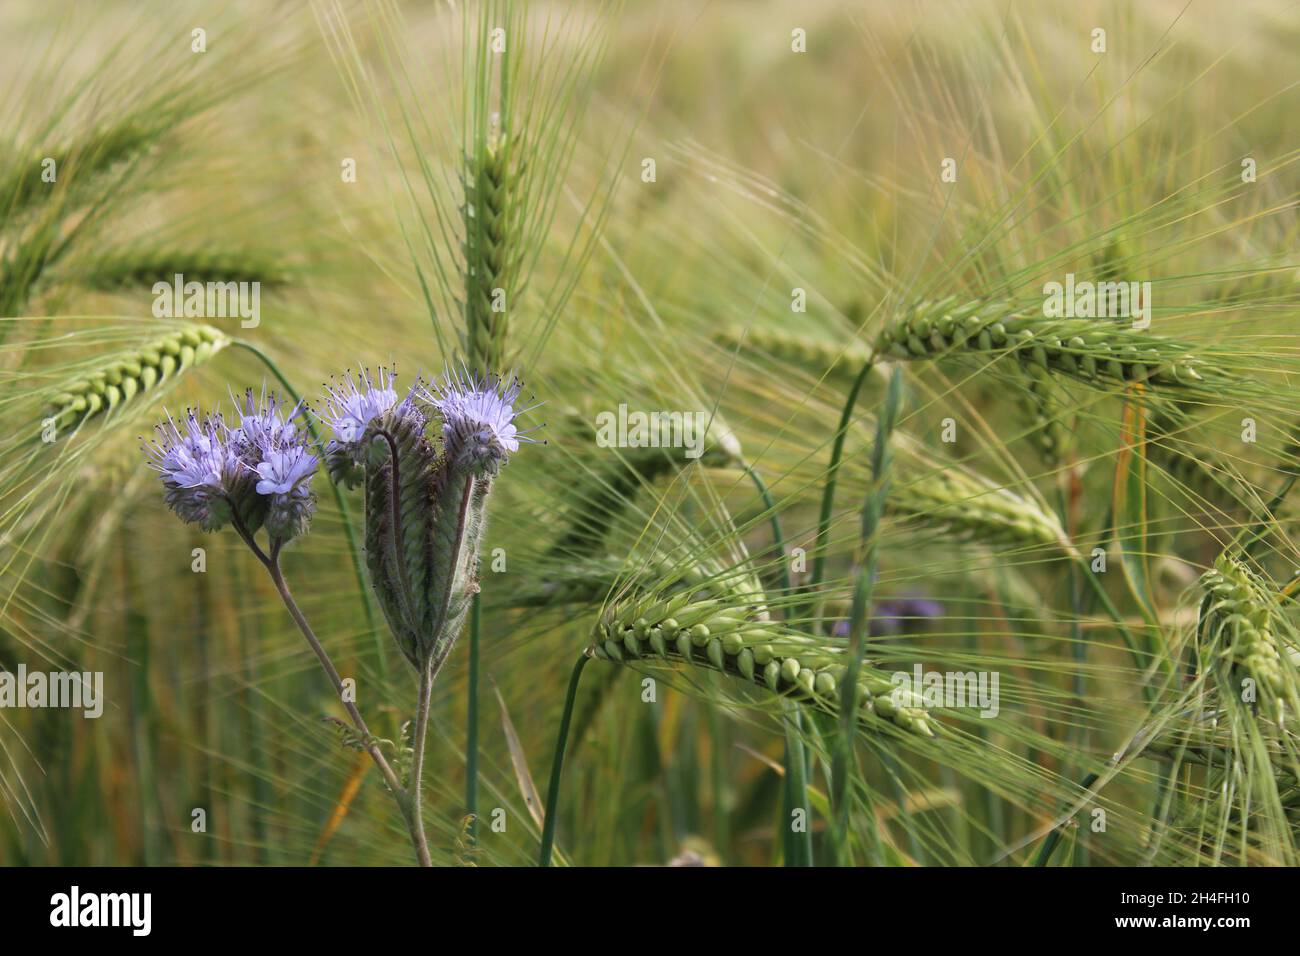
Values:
[(242, 530), (471, 723), (395, 517), (557, 765), (403, 799), (417, 762), (447, 640), (340, 502)]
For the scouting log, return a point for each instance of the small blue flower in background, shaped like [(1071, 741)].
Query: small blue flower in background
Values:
[(896, 616)]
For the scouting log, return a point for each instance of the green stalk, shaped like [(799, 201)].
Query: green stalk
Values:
[(1259, 532), (795, 852), (471, 725), (860, 614), (1054, 838), (1135, 648), (774, 518), (144, 720), (408, 807), (718, 780), (557, 765), (798, 846), (832, 473), (415, 787)]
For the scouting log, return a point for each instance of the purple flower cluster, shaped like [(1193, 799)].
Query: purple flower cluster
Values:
[(478, 420), (352, 407), (257, 472), (200, 472)]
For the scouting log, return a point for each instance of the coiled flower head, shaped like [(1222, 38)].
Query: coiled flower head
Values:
[(478, 420), (204, 481), (271, 444), (258, 472), (262, 425), (351, 409)]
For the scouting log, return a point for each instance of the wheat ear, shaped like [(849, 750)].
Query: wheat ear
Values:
[(1239, 622), (1076, 348), (120, 379), (735, 640), (817, 356), (146, 265), (973, 509), (490, 266)]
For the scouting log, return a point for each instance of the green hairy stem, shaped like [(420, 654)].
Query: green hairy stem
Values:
[(425, 516)]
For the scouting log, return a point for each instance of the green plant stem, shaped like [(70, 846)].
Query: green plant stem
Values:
[(416, 786), (1260, 531), (796, 853), (832, 473), (381, 648), (864, 579), (774, 518), (557, 765), (1113, 613), (404, 802), (1085, 573), (718, 781), (1054, 838), (798, 845), (1077, 735), (471, 723)]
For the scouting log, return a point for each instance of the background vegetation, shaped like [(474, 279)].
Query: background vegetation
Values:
[(774, 170)]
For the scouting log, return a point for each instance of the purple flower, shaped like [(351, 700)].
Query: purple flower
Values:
[(260, 471), (478, 419), (262, 426), (201, 473), (285, 471), (895, 616), (274, 450), (285, 479), (351, 407)]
